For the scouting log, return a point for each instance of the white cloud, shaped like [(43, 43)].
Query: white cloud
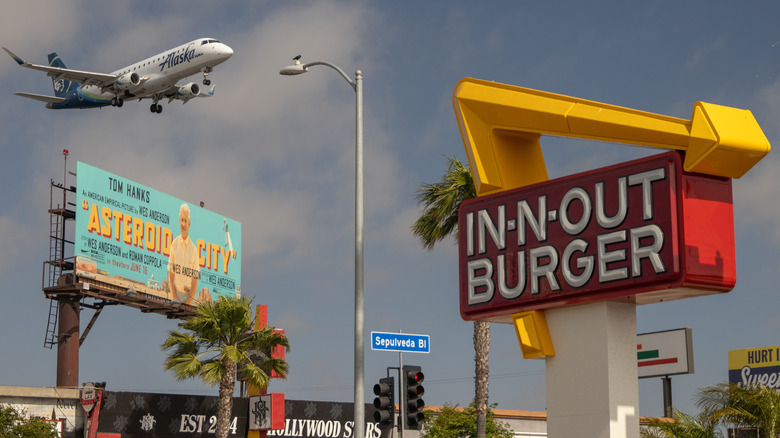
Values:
[(754, 194), (36, 24)]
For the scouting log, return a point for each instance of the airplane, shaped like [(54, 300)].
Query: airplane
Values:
[(153, 78)]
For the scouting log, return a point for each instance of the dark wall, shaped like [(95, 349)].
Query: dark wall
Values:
[(149, 415), (134, 414)]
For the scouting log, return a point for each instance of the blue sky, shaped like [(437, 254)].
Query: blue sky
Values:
[(276, 154)]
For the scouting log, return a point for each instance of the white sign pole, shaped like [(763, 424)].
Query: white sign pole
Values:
[(592, 388)]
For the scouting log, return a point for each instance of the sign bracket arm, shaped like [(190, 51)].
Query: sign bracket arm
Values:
[(91, 323)]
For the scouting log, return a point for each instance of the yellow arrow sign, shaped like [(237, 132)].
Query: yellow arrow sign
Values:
[(501, 126)]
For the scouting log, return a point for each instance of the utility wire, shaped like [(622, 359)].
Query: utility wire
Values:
[(427, 382), (345, 387)]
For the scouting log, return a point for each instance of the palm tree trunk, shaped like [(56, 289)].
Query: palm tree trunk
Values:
[(481, 374), (225, 402)]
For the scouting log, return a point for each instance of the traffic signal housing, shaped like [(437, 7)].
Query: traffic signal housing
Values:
[(384, 402), (412, 392)]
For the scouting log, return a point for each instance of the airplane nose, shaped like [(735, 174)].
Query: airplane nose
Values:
[(226, 51)]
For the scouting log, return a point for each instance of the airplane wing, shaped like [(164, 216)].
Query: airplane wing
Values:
[(185, 92), (81, 77), (42, 98), (208, 93)]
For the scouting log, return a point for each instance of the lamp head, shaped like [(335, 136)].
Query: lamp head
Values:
[(294, 69)]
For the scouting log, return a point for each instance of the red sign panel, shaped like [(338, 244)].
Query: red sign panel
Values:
[(642, 232)]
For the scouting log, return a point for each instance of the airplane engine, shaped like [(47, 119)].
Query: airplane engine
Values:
[(188, 91), (127, 81)]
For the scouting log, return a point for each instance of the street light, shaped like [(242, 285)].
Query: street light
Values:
[(356, 85)]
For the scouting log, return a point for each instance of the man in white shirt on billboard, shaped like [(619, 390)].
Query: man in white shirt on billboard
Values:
[(183, 268)]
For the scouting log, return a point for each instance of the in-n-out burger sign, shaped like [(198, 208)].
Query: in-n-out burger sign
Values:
[(642, 231)]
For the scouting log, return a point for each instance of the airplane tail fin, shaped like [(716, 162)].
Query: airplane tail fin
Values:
[(61, 87)]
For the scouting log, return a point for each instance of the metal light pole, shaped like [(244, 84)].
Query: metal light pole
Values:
[(357, 85)]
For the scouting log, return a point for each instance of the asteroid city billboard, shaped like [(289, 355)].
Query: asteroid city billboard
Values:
[(643, 231), (140, 239)]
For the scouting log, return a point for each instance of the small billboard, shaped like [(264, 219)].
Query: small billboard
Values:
[(665, 353), (753, 366), (266, 412), (149, 242)]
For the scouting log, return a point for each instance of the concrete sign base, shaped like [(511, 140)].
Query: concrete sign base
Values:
[(592, 385)]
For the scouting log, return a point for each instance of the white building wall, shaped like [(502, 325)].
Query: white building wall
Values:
[(48, 403)]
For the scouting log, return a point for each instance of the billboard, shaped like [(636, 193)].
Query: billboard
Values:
[(641, 232), (146, 241), (753, 366), (665, 353)]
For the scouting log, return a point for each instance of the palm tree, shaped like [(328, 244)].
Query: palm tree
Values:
[(743, 406), (216, 345), (682, 426), (439, 220)]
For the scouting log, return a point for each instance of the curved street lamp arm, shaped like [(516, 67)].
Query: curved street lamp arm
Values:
[(334, 67)]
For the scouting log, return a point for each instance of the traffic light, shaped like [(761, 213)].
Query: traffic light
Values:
[(384, 402), (412, 378)]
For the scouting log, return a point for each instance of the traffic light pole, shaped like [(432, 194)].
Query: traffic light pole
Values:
[(410, 391), (401, 397)]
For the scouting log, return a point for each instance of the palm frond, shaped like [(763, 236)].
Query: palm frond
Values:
[(219, 334), (212, 371), (254, 374), (181, 343), (744, 406), (183, 366), (264, 339), (440, 201), (682, 425)]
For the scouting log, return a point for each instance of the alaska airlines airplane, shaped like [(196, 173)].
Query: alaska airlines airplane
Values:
[(153, 78)]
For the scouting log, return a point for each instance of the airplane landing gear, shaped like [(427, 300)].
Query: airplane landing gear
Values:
[(206, 80), (117, 102), (156, 108)]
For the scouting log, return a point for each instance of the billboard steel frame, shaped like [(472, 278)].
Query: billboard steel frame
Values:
[(69, 293)]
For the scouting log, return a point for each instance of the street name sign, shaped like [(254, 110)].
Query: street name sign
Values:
[(404, 342)]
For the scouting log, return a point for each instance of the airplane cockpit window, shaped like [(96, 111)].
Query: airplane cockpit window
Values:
[(208, 42)]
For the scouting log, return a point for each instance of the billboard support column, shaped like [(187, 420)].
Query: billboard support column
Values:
[(591, 383), (667, 396), (68, 342)]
